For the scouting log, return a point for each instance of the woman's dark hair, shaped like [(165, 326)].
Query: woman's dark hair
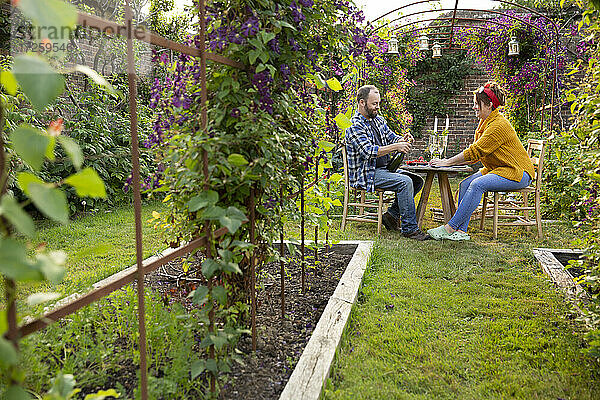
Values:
[(482, 97)]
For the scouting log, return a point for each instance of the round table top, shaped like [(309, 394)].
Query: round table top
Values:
[(429, 168)]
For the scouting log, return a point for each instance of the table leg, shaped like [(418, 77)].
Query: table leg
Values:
[(448, 206), (424, 198)]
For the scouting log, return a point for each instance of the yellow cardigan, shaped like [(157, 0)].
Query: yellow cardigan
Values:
[(499, 149)]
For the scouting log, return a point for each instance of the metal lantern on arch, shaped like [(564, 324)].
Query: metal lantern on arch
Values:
[(392, 46), (513, 47), (423, 43), (437, 50)]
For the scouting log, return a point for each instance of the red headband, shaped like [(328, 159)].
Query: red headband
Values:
[(491, 95)]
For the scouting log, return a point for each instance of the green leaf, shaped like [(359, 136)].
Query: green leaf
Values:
[(209, 267), (9, 82), (13, 212), (40, 83), (14, 263), (211, 364), (3, 322), (62, 386), (335, 178), (342, 121), (319, 81), (199, 295), (213, 212), (220, 294), (232, 219), (267, 36), (49, 13), (50, 201), (325, 145), (8, 353), (52, 265), (87, 183), (102, 394), (16, 393), (96, 77), (198, 367), (204, 199), (237, 159), (50, 148), (334, 84), (30, 145), (39, 298), (73, 150), (25, 178), (219, 341)]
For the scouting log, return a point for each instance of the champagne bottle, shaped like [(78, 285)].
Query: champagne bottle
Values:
[(395, 162)]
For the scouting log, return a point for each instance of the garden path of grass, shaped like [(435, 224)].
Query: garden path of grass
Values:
[(472, 320), (97, 244)]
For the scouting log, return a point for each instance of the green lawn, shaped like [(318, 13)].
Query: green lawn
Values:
[(435, 320), (471, 320), (97, 245)]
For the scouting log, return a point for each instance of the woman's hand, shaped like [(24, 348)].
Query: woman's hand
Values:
[(437, 162)]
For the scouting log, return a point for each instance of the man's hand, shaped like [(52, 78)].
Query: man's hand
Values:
[(408, 138), (403, 147)]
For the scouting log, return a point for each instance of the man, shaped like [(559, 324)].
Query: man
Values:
[(369, 143)]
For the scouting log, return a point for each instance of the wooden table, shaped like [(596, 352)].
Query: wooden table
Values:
[(448, 206)]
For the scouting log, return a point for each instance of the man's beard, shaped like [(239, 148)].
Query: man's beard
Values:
[(371, 113)]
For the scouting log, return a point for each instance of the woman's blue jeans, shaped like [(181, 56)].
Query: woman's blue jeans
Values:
[(472, 189), (403, 206)]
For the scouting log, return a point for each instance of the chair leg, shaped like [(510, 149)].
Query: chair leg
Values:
[(483, 210), (538, 216), (345, 211), (495, 226), (380, 213), (526, 212), (363, 196)]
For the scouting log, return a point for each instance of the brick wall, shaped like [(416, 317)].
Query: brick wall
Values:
[(462, 120)]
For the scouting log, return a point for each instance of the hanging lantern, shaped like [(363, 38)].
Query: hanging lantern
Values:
[(437, 50), (423, 43), (513, 47), (392, 46)]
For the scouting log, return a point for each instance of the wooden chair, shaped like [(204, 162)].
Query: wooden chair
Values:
[(362, 202), (516, 201)]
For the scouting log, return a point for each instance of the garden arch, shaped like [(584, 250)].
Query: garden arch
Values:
[(404, 25)]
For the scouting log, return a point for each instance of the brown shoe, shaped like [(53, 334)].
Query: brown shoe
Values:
[(390, 223), (417, 235)]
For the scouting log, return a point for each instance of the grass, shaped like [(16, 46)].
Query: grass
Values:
[(471, 320), (97, 245), (435, 320)]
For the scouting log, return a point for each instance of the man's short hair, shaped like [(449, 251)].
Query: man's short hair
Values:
[(363, 92)]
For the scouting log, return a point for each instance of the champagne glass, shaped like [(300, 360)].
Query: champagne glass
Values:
[(442, 145), (432, 144)]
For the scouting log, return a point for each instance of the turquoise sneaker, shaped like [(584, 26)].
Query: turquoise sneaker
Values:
[(459, 236), (439, 233)]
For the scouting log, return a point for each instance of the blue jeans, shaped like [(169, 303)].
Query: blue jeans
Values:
[(403, 207), (472, 189)]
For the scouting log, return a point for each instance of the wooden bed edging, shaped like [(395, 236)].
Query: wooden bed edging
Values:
[(310, 374)]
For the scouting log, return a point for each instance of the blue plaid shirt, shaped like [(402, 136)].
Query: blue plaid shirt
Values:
[(362, 146)]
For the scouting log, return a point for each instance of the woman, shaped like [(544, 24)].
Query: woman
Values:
[(506, 165)]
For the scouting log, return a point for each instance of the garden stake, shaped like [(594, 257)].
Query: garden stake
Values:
[(302, 229), (137, 204), (252, 271), (327, 213), (316, 226), (9, 284), (204, 122), (281, 264)]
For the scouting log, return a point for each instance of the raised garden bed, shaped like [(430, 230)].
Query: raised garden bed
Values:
[(555, 263)]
